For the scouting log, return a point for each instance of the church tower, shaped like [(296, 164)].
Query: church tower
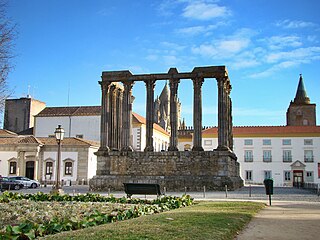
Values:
[(301, 112), (162, 109)]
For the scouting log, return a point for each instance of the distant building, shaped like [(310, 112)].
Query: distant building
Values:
[(19, 113), (36, 158), (288, 154), (301, 112), (162, 109)]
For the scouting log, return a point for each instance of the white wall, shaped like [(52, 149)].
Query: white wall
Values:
[(92, 162), (64, 155), (88, 126), (4, 164)]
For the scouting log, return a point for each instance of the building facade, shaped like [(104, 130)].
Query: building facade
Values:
[(19, 113), (36, 158)]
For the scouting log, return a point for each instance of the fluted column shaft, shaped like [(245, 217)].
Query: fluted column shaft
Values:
[(127, 117), (197, 114), (119, 117), (174, 83), (104, 115), (222, 115), (150, 84)]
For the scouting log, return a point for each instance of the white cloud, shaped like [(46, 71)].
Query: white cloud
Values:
[(279, 42), (305, 54), (275, 68), (204, 11), (289, 24)]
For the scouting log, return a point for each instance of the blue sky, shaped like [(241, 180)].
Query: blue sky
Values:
[(63, 46)]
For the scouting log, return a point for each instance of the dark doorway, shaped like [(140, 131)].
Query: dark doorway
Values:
[(30, 169), (297, 178)]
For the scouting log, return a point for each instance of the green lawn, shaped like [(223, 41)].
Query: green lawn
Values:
[(204, 220)]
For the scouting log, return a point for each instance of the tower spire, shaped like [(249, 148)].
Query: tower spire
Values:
[(301, 95)]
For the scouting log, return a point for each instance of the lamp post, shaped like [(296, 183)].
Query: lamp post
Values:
[(59, 134)]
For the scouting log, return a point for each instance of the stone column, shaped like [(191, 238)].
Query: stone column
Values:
[(110, 117), (174, 83), (113, 122), (197, 114), (150, 84), (222, 115), (127, 117), (119, 117), (104, 116), (229, 109)]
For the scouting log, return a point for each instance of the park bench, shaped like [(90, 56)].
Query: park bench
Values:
[(142, 188)]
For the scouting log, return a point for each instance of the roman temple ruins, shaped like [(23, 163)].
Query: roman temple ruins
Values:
[(175, 170)]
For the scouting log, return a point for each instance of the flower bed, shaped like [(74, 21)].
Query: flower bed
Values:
[(27, 216)]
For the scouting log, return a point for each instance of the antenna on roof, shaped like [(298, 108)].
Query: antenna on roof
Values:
[(28, 95), (68, 103)]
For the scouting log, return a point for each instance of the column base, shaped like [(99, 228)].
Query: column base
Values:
[(197, 148), (172, 148), (149, 149), (127, 149), (222, 148)]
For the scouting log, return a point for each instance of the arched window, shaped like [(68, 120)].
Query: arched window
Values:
[(305, 122), (68, 168)]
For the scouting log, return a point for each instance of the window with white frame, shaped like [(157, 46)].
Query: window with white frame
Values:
[(248, 155), (287, 176), (68, 168), (13, 168), (266, 141), (308, 155), (249, 175), (308, 142), (267, 157), (248, 142), (286, 156), (309, 176), (49, 168), (267, 174), (208, 142), (286, 141)]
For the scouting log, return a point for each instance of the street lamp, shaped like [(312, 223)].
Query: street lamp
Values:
[(59, 134)]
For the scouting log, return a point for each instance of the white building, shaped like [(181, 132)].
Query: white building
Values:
[(36, 157), (287, 154)]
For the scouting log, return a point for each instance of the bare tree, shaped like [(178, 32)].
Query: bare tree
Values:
[(7, 36)]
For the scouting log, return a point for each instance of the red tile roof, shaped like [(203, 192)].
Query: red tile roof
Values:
[(271, 131), (70, 111), (139, 119), (7, 133)]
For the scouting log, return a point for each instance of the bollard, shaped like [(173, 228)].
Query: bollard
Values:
[(185, 190), (226, 186), (74, 192), (164, 190), (250, 190), (204, 191), (109, 192)]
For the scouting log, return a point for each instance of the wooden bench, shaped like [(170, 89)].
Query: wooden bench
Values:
[(142, 188)]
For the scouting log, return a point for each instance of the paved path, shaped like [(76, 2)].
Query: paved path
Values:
[(285, 220)]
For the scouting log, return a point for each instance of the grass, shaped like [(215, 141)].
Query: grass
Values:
[(204, 220)]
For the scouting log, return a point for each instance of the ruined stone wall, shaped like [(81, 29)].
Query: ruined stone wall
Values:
[(173, 170)]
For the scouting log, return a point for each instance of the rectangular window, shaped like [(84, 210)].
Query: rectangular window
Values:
[(286, 156), (51, 136), (287, 176), (248, 156), (266, 142), (49, 168), (286, 141), (309, 176), (267, 156), (308, 142), (79, 135), (13, 168), (248, 142), (68, 168), (208, 142), (318, 170), (249, 175), (308, 155), (267, 175)]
